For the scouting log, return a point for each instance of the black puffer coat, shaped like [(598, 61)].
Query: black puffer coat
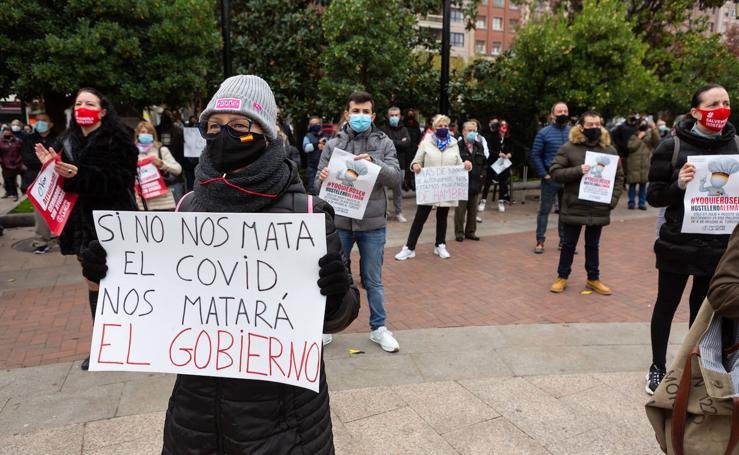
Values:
[(687, 254), (209, 415), (479, 164), (106, 162)]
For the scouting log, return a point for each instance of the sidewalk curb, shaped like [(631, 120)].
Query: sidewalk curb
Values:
[(17, 220)]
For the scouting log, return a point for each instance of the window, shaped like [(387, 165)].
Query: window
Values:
[(512, 24), (497, 23), (497, 46), (481, 23), (480, 47), (457, 39), (457, 16), (499, 3), (512, 5)]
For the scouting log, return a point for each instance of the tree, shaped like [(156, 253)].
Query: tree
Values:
[(137, 52)]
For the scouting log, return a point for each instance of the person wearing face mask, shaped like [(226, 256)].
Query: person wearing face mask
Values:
[(414, 131), (704, 131), (470, 149), (491, 135), (11, 162), (662, 128), (360, 137), (622, 133), (45, 136), (404, 148), (97, 159), (546, 145), (439, 149), (499, 148), (640, 146), (145, 138), (311, 149), (244, 169), (568, 168), (17, 127)]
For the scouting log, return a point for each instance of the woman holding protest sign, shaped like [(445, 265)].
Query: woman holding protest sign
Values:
[(152, 151), (704, 131), (97, 159), (244, 169), (439, 149)]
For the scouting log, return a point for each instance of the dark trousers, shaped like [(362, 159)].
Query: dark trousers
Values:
[(466, 211), (11, 181), (311, 171), (670, 289), (569, 244), (422, 214)]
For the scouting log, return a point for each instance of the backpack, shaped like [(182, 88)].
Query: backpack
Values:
[(676, 148)]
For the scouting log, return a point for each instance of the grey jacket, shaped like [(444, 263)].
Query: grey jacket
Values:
[(381, 149)]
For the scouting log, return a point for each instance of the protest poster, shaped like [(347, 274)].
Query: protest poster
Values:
[(46, 193), (500, 165), (441, 184), (597, 185), (149, 183), (194, 142), (712, 198), (211, 294), (349, 184)]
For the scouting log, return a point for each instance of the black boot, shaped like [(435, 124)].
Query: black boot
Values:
[(93, 300)]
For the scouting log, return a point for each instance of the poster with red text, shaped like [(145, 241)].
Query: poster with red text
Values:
[(597, 184), (150, 183), (50, 199), (349, 184), (211, 294), (712, 198)]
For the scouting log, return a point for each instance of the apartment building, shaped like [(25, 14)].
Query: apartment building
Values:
[(720, 20)]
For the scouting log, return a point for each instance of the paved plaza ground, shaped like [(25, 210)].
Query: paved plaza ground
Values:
[(490, 361)]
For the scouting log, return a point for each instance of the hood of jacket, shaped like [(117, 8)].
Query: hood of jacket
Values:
[(578, 137), (684, 131)]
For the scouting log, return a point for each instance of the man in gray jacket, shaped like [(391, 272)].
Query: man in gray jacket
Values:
[(360, 137)]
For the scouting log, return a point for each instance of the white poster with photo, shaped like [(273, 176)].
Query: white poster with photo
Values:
[(211, 294), (194, 142), (712, 198), (442, 184), (500, 165), (349, 184), (597, 184)]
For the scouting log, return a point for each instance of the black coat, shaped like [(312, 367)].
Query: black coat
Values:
[(401, 140), (29, 150), (479, 164), (688, 254), (106, 161), (209, 415)]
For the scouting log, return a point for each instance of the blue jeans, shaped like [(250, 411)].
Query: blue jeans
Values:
[(569, 243), (549, 191), (371, 256), (642, 194)]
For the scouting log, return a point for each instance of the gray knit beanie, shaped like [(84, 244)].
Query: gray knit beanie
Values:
[(249, 96)]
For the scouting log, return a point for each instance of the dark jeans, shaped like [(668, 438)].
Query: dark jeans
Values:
[(670, 289), (312, 170), (422, 214), (465, 216), (569, 244), (549, 191), (642, 194), (11, 181)]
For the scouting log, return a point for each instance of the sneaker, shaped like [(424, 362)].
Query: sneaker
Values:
[(642, 207), (501, 206), (598, 287), (441, 251), (85, 364), (558, 286), (481, 206), (539, 248), (478, 219), (385, 339), (41, 249), (404, 254), (654, 377), (327, 338), (400, 218)]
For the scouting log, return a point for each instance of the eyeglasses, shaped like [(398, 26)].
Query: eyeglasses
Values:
[(236, 128)]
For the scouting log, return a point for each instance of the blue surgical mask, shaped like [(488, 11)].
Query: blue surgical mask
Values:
[(314, 128), (42, 126), (146, 138), (360, 122), (471, 136), (441, 133), (394, 121)]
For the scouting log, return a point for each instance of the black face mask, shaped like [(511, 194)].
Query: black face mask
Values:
[(632, 120), (231, 150), (494, 126), (643, 127), (562, 119), (593, 134)]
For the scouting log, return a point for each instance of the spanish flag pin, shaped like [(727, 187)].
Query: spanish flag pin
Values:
[(247, 138)]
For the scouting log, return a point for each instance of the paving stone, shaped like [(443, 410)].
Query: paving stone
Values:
[(148, 394), (83, 380), (563, 385), (355, 404), (615, 440), (468, 364), (123, 434), (20, 382), (493, 437), (446, 406), (344, 444), (543, 360), (65, 440), (360, 371)]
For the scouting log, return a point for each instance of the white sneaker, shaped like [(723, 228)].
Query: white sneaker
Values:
[(384, 338), (481, 206), (442, 252), (327, 338), (501, 206), (479, 220), (404, 254), (401, 218)]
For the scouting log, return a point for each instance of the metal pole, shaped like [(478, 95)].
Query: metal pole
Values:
[(445, 49), (225, 31)]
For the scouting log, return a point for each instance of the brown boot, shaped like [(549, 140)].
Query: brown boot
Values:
[(598, 287), (559, 286)]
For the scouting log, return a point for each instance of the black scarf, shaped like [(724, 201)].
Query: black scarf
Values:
[(250, 190)]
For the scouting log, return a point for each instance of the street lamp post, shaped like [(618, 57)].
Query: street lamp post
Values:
[(226, 33), (445, 49)]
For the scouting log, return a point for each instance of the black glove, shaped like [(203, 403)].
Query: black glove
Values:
[(334, 278), (93, 262)]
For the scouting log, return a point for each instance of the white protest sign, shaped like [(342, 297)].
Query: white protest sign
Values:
[(712, 197), (211, 294), (194, 142), (441, 184), (349, 184), (597, 185), (500, 165)]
